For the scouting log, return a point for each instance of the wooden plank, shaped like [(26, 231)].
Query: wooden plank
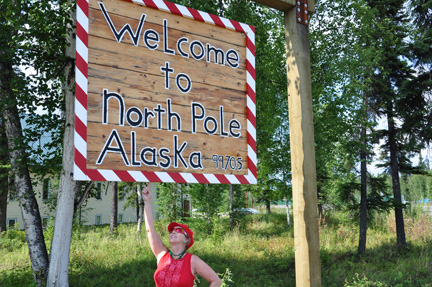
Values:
[(139, 86), (124, 8), (129, 58), (306, 235), (183, 110), (101, 29), (208, 145)]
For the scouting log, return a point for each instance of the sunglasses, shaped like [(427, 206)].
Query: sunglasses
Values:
[(180, 230)]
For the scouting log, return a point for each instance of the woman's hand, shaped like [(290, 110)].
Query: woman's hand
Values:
[(146, 193)]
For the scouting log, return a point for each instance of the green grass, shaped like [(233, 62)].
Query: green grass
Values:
[(260, 252)]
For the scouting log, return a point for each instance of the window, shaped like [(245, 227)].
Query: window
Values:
[(120, 218), (99, 191), (45, 221), (12, 223), (46, 189), (98, 219)]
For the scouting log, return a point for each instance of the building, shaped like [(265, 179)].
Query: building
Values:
[(95, 211)]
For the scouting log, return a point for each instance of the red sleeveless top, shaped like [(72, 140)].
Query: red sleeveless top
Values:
[(174, 273)]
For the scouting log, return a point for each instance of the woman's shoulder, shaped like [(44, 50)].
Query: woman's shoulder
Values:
[(195, 259), (161, 256)]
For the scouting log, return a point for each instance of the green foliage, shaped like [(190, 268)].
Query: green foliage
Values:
[(33, 37), (208, 200), (127, 190), (271, 101), (260, 255), (362, 282), (417, 187), (12, 239), (226, 278), (170, 200)]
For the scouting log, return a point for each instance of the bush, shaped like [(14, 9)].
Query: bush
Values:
[(363, 282), (12, 239)]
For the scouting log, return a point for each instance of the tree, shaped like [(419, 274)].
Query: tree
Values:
[(26, 40), (26, 197), (343, 60), (271, 104), (389, 77), (170, 200), (208, 200), (421, 52), (68, 189), (114, 208), (238, 192), (4, 177), (416, 91), (140, 207)]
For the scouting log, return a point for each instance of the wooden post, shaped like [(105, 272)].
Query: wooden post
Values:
[(306, 234), (305, 202)]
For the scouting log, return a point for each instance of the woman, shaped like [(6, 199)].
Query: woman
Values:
[(175, 267)]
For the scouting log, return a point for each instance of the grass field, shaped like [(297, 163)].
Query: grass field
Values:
[(259, 252)]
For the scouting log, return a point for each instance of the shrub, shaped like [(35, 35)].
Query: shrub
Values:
[(364, 282), (12, 239)]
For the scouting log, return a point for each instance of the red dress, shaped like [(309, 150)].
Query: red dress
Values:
[(174, 273)]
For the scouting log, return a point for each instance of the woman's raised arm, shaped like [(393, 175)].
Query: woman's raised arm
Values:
[(157, 246)]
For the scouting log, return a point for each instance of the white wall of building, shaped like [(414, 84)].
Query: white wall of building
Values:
[(94, 211)]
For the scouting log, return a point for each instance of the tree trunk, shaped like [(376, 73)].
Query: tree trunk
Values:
[(288, 212), (114, 208), (175, 200), (267, 202), (68, 188), (83, 197), (320, 206), (180, 200), (137, 208), (3, 199), (140, 209), (231, 211), (4, 177), (363, 194), (394, 166), (17, 157)]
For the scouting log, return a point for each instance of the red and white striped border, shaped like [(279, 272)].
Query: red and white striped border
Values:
[(81, 84)]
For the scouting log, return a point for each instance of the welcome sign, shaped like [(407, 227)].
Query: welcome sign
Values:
[(164, 93)]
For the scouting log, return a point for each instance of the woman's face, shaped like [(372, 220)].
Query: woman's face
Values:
[(178, 234)]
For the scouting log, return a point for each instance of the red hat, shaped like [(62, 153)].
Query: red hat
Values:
[(186, 228)]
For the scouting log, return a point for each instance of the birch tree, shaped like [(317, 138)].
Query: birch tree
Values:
[(114, 208), (26, 197), (140, 208), (30, 36)]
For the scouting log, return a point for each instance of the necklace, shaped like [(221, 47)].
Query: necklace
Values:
[(179, 256)]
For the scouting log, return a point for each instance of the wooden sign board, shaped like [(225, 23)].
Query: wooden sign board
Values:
[(164, 93)]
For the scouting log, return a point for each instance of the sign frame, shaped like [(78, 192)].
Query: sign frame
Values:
[(81, 172)]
